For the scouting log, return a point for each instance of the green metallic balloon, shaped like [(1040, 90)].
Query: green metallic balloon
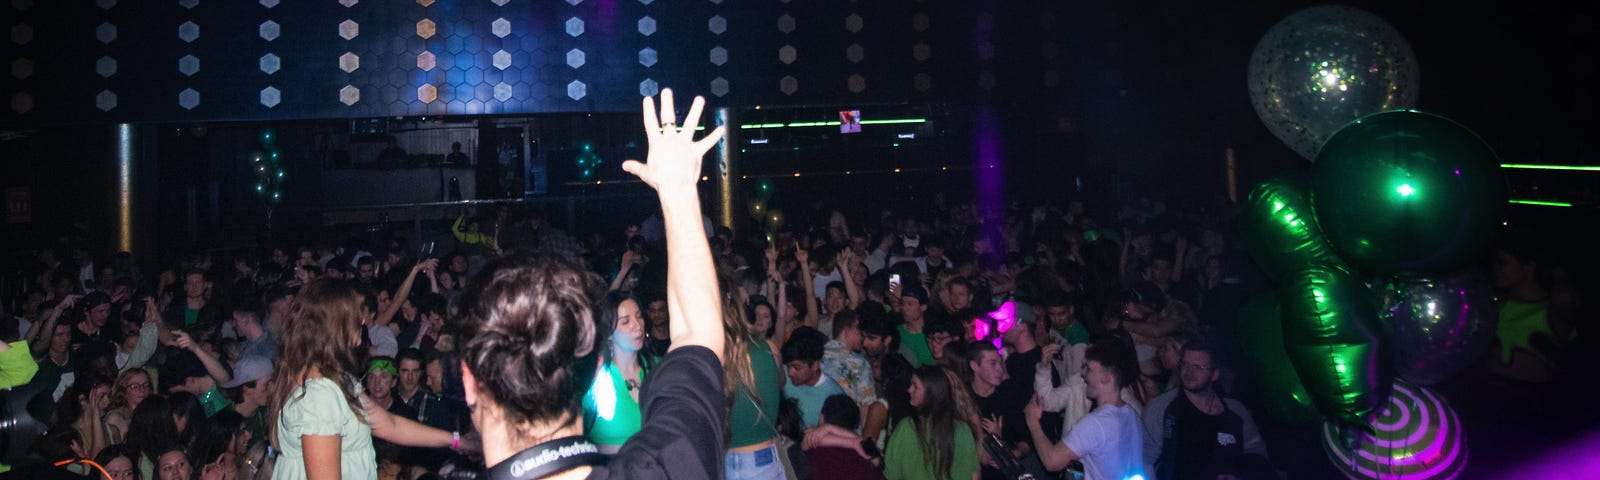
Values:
[(1280, 231), (1333, 337), (1408, 191), (1261, 330)]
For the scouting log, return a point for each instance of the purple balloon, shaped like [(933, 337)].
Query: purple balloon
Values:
[(1440, 324)]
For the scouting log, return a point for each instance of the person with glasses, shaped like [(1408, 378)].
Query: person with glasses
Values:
[(131, 387)]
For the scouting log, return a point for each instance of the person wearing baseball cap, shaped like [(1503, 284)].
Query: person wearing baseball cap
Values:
[(248, 391), (96, 313)]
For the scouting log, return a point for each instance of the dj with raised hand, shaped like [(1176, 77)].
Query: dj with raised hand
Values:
[(527, 317)]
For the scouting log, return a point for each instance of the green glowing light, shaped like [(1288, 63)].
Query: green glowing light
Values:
[(1541, 203), (1405, 190), (1533, 166)]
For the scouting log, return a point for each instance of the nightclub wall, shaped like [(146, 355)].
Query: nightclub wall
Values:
[(251, 60)]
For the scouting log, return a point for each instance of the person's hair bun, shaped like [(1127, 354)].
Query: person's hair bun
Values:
[(525, 318)]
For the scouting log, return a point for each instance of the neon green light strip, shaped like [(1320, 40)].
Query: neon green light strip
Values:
[(1532, 166), (893, 120), (887, 121), (1541, 202)]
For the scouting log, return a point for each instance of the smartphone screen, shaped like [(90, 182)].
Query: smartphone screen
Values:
[(894, 279)]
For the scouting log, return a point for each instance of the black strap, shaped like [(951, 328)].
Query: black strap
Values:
[(547, 458)]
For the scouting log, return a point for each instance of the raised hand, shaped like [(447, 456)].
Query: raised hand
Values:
[(427, 266), (1033, 411), (673, 164)]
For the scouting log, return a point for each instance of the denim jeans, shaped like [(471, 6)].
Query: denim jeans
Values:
[(761, 464)]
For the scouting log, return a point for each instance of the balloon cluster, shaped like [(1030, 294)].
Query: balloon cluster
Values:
[(268, 167), (588, 161), (1370, 251)]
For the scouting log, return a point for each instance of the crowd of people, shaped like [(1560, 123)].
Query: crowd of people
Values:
[(928, 343)]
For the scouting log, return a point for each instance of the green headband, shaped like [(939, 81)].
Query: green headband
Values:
[(382, 365)]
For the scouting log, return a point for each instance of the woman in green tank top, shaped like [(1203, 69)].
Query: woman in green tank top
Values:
[(611, 413), (753, 380)]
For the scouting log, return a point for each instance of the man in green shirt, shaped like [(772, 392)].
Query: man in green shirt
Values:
[(1059, 307), (913, 310)]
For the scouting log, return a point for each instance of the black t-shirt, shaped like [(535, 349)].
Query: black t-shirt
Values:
[(683, 408), (1021, 367), (1197, 445)]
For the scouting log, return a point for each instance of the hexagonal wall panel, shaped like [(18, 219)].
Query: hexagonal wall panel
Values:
[(22, 68), (576, 90), (575, 58), (188, 99), (852, 23), (502, 91), (649, 88), (719, 55), (269, 30), (426, 61), (787, 54), (349, 95), (349, 29), (502, 59), (719, 86), (426, 28), (188, 31), (500, 27), (427, 93), (717, 24), (647, 26), (786, 23), (105, 66), (188, 65), (349, 62), (648, 57), (105, 100), (788, 85), (574, 26), (855, 53), (270, 97), (270, 63), (105, 33)]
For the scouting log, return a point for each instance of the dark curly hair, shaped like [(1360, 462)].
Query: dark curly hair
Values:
[(525, 319)]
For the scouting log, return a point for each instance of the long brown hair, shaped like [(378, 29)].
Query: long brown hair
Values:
[(936, 418), (321, 335)]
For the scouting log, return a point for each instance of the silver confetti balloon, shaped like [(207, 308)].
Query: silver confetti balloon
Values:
[(1439, 325), (1323, 67)]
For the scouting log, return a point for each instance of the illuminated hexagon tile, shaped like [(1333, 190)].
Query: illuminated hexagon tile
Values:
[(649, 88), (105, 100), (425, 3), (501, 3), (105, 66), (788, 85), (717, 24), (786, 23), (349, 29), (575, 58), (349, 95), (188, 99), (349, 62), (105, 33), (426, 28), (576, 90), (270, 63), (719, 55), (269, 3), (269, 30), (426, 61), (719, 86), (188, 31), (574, 26), (106, 4), (647, 26), (787, 54), (502, 59), (648, 57), (852, 23), (270, 97), (502, 91), (857, 83), (500, 27), (427, 93), (189, 3), (188, 65), (919, 22), (349, 3), (855, 53), (920, 52)]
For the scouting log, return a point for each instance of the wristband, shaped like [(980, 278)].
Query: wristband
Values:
[(455, 441)]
